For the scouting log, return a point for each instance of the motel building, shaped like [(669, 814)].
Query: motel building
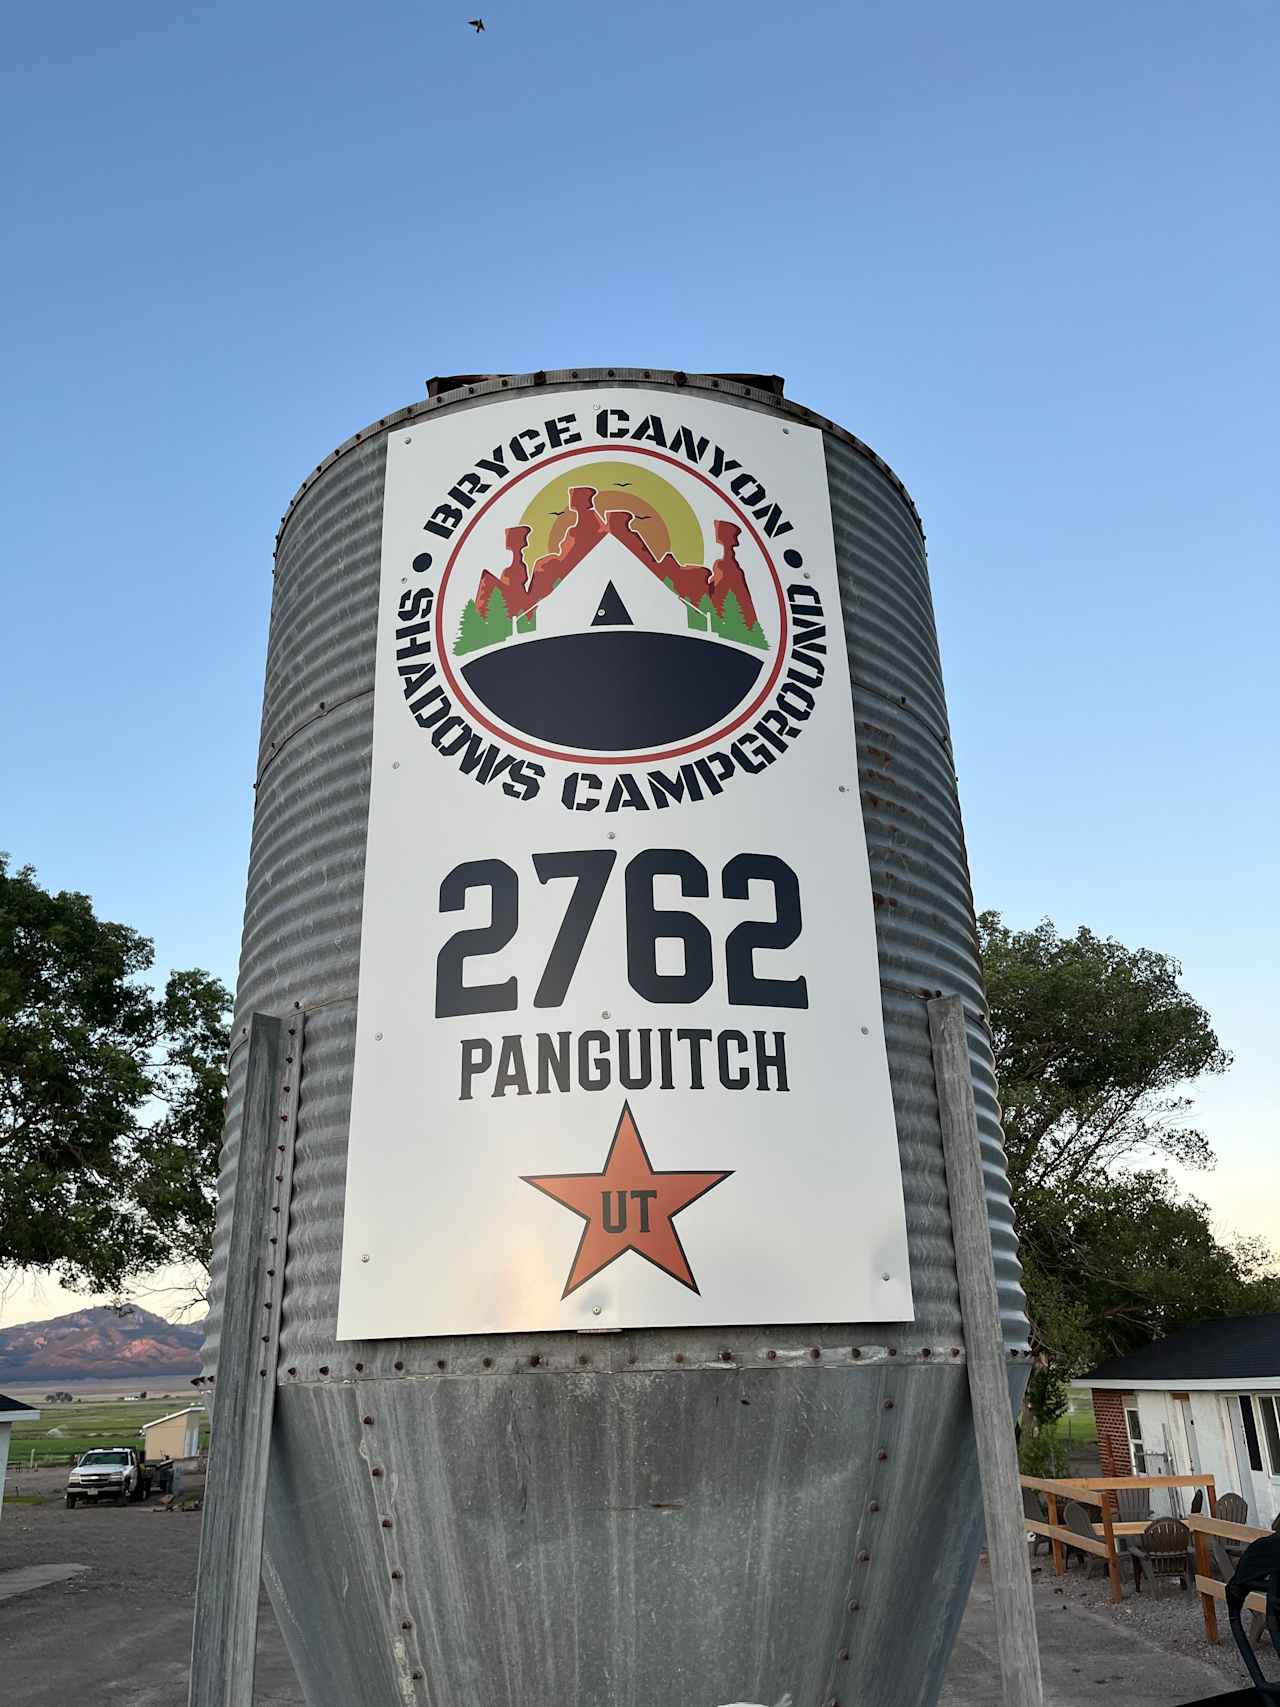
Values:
[(1205, 1399)]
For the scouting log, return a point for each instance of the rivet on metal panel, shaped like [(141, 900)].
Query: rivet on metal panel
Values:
[(364, 1256), (841, 789), (595, 1309), (604, 1014), (866, 1030)]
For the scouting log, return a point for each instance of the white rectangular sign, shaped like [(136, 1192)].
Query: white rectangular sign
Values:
[(619, 1055)]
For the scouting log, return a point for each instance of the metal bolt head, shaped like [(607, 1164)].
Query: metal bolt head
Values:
[(364, 1256), (866, 1030), (377, 1038), (595, 1309), (604, 1013)]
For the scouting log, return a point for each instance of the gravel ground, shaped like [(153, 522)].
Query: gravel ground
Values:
[(1172, 1617), (119, 1633)]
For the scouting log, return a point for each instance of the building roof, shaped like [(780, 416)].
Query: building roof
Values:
[(1229, 1351), (13, 1410), (184, 1412)]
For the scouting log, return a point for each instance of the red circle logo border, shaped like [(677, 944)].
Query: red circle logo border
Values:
[(596, 758)]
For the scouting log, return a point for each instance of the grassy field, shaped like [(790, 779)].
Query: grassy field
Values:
[(1078, 1427), (89, 1423)]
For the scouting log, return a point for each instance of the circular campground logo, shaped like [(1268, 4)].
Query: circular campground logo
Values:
[(626, 611)]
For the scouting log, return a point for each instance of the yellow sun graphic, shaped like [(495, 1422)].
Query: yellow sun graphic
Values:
[(662, 517)]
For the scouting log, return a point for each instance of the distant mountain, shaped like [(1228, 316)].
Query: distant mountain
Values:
[(101, 1344)]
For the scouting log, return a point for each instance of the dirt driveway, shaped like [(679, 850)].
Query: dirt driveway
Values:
[(119, 1633)]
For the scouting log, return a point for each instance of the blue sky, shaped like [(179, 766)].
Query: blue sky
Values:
[(1029, 254)]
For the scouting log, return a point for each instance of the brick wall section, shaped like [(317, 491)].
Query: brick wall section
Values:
[(1113, 1436)]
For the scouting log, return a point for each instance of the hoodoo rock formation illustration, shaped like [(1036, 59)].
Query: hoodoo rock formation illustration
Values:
[(632, 587)]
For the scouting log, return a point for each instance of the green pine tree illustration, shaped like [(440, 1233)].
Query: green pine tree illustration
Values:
[(498, 622), (473, 630), (697, 619), (527, 623), (731, 624), (756, 637)]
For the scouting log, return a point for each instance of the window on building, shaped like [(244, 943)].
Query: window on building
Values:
[(1133, 1422), (1251, 1440), (1270, 1429)]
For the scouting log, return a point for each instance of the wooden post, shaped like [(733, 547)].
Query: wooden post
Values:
[(1109, 1507), (1203, 1569), (1059, 1558), (1211, 1496), (987, 1366), (226, 1617)]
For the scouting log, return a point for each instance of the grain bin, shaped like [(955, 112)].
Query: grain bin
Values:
[(618, 1359)]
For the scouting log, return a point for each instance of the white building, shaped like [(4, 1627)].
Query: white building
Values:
[(11, 1411), (1206, 1398)]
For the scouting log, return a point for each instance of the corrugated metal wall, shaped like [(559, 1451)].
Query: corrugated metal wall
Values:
[(655, 1518)]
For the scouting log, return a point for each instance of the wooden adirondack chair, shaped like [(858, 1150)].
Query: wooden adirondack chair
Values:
[(1074, 1516), (1033, 1508), (1163, 1550)]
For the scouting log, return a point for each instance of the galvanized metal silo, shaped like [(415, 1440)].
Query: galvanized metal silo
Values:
[(656, 1518)]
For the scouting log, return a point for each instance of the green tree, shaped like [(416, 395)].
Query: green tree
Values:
[(497, 620), (527, 623), (176, 1156), (731, 624), (1095, 1043), (1095, 1046), (472, 630), (86, 1051)]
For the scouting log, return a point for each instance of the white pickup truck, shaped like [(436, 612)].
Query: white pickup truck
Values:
[(111, 1473)]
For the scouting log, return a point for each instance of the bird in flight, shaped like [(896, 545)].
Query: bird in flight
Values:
[(477, 24)]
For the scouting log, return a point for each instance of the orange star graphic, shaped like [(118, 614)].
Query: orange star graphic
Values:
[(629, 1206)]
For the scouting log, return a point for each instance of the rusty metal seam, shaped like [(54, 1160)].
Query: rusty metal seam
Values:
[(858, 1565), (410, 1667), (583, 379), (324, 707), (876, 1357), (902, 703)]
